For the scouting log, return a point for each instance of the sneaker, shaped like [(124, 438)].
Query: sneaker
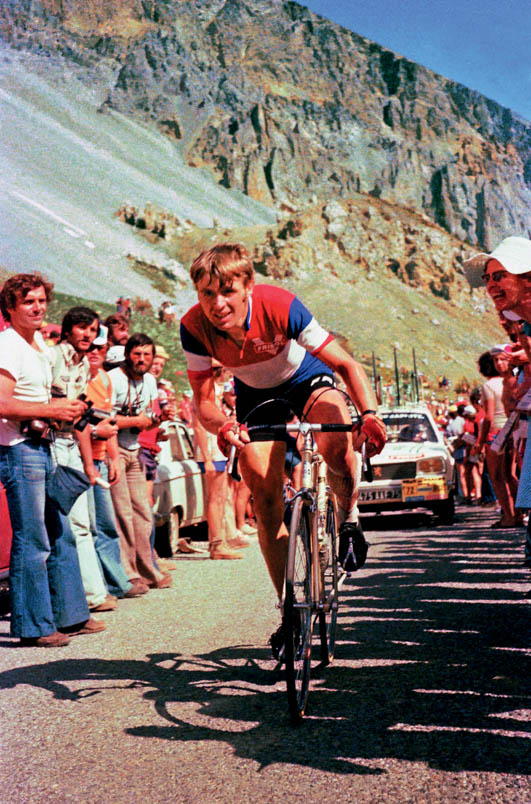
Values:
[(352, 547), (277, 642), (249, 530)]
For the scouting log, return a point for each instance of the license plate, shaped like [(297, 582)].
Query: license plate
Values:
[(428, 488), (380, 495)]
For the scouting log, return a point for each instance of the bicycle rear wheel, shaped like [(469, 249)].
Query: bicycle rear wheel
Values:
[(298, 612), (329, 574)]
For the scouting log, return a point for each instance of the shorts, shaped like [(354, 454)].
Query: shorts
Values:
[(278, 405), (147, 459), (219, 466)]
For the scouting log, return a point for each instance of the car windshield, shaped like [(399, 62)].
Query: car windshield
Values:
[(408, 426)]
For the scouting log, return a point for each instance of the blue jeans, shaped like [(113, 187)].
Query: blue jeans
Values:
[(106, 538), (45, 579)]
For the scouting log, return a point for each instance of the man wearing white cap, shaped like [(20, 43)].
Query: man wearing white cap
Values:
[(506, 274)]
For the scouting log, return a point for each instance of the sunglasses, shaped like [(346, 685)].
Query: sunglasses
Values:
[(97, 348), (496, 276)]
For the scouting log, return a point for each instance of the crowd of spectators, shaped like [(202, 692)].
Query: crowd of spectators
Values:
[(65, 566)]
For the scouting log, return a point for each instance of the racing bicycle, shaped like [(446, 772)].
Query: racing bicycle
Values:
[(313, 573)]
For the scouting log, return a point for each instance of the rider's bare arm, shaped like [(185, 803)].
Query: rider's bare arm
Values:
[(361, 393)]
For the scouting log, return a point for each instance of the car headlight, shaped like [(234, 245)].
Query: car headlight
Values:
[(431, 466)]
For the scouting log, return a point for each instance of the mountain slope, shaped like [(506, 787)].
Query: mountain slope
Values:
[(67, 169), (283, 104)]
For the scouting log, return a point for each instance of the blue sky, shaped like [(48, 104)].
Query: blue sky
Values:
[(484, 44)]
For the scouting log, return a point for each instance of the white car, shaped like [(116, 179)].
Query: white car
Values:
[(415, 468), (178, 491)]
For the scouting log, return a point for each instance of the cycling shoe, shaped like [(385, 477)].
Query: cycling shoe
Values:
[(352, 547), (277, 640)]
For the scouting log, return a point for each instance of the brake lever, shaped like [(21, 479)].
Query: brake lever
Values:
[(232, 465), (366, 464)]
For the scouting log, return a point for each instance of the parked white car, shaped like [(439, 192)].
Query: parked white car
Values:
[(178, 490), (415, 469)]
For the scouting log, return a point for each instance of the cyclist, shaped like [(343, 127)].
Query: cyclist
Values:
[(275, 348)]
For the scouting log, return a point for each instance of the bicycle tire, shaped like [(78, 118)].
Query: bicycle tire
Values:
[(329, 570), (298, 617)]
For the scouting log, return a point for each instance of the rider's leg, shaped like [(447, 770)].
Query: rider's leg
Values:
[(261, 465), (344, 470), (337, 450)]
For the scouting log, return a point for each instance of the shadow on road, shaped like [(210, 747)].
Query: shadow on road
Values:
[(431, 666)]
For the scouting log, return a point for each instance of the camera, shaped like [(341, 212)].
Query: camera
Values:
[(92, 415), (36, 429)]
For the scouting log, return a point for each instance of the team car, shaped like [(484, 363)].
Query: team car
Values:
[(414, 470)]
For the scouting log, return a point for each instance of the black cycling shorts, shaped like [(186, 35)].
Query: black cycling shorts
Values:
[(278, 405)]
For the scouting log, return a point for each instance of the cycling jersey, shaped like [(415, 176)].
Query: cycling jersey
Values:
[(281, 343)]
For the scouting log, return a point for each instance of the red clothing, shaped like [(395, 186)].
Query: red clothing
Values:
[(148, 438)]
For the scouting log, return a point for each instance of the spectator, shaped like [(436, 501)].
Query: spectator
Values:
[(51, 333), (134, 392), (473, 463), (70, 375), (488, 495), (47, 595), (506, 274), (213, 463), (454, 431), (106, 459), (117, 336), (164, 410), (495, 417), (185, 408)]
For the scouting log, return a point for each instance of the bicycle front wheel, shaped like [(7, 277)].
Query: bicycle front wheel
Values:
[(329, 576), (298, 612)]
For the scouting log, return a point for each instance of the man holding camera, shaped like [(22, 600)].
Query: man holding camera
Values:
[(71, 373), (134, 392), (47, 594)]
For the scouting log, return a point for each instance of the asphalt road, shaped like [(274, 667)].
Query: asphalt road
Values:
[(178, 700)]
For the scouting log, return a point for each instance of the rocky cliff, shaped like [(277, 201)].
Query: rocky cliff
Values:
[(290, 107)]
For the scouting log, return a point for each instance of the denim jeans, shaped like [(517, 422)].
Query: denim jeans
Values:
[(67, 454), (106, 538), (45, 579)]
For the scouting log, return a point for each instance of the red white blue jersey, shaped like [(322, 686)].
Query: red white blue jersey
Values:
[(280, 346)]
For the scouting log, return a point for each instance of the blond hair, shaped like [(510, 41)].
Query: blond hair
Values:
[(224, 262)]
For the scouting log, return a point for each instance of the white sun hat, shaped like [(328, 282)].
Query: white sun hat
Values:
[(514, 253)]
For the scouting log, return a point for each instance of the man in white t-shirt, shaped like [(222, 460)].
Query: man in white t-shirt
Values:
[(134, 391), (47, 595)]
